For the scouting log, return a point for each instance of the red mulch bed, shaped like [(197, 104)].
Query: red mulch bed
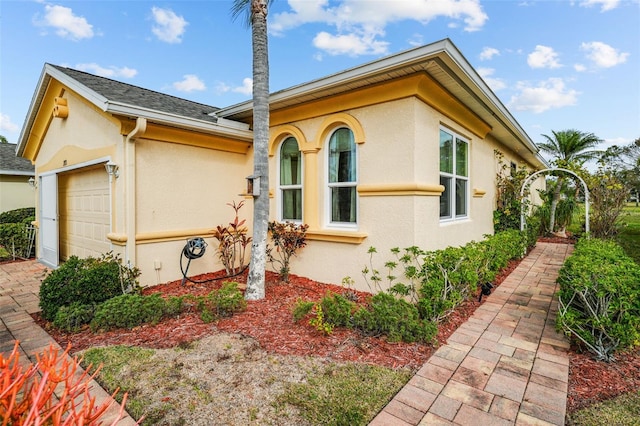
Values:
[(270, 322)]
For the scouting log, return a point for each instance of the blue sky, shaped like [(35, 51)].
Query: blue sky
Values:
[(565, 64)]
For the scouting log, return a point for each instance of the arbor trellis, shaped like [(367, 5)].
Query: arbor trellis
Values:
[(530, 178)]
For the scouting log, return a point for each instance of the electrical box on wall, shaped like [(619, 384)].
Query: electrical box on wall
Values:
[(253, 185)]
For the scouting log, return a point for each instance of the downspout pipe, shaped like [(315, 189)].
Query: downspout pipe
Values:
[(130, 188)]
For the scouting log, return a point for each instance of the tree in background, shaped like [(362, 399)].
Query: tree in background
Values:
[(3, 139), (568, 149), (626, 159), (255, 12)]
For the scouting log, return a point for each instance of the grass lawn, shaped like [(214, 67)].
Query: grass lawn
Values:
[(629, 236)]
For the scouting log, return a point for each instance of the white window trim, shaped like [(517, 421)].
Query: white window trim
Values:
[(280, 189), (328, 185), (453, 176)]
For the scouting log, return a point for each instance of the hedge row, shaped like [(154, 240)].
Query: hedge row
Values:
[(600, 298)]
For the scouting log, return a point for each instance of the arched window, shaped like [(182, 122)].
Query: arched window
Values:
[(290, 185), (342, 177)]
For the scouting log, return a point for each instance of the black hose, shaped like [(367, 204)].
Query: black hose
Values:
[(194, 249)]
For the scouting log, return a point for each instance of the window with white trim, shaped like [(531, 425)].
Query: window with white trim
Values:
[(454, 176), (342, 178), (290, 181)]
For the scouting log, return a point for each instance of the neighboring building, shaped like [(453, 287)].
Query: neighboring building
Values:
[(397, 152), (15, 191)]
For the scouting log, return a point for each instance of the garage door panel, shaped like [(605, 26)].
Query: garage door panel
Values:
[(85, 215)]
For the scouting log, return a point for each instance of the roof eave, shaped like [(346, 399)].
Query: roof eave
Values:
[(225, 127)]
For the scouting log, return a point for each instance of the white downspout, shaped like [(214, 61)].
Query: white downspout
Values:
[(130, 188)]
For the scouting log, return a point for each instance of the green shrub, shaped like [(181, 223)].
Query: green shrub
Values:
[(398, 319), (128, 311), (86, 281), (301, 309), (338, 310), (223, 302), (599, 298), (72, 317), (16, 238), (18, 215)]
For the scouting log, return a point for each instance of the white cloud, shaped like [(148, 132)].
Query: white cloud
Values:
[(488, 53), (110, 72), (495, 83), (349, 44), (543, 57), (246, 88), (605, 5), (549, 94), (580, 67), (168, 27), (6, 124), (603, 55), (360, 23), (189, 83), (416, 40), (66, 24)]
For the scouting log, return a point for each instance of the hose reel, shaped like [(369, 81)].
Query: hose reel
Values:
[(193, 249)]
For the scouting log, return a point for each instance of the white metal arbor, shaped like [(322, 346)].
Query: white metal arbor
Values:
[(584, 185)]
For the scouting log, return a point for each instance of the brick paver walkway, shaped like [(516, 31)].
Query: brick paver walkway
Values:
[(19, 289), (505, 366)]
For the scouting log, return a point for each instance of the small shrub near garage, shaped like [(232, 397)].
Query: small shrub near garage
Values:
[(18, 215), (600, 298), (88, 281), (14, 233)]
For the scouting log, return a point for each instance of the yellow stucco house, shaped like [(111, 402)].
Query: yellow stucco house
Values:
[(15, 172), (397, 152)]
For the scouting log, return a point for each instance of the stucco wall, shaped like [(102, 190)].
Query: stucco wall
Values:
[(182, 190), (15, 193), (401, 146)]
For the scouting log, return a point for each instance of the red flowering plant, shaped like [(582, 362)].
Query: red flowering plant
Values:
[(288, 238)]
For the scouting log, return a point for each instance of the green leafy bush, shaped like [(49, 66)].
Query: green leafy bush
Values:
[(600, 298), (86, 281), (398, 319), (288, 238), (338, 310), (72, 317), (219, 303), (18, 215), (128, 311), (17, 238), (301, 309)]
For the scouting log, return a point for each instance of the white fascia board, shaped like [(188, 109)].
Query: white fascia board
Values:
[(240, 131), (49, 72), (17, 173), (496, 104), (344, 77)]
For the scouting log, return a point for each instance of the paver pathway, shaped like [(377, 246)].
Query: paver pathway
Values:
[(19, 289), (506, 365)]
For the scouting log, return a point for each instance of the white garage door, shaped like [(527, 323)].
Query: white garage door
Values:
[(84, 213)]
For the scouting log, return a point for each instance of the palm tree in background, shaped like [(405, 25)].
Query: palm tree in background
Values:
[(255, 13), (568, 147)]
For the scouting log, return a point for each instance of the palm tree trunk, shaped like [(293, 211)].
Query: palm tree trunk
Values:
[(554, 204), (256, 278)]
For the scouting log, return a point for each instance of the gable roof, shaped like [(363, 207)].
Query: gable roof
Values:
[(10, 164), (118, 93), (442, 61), (122, 99)]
